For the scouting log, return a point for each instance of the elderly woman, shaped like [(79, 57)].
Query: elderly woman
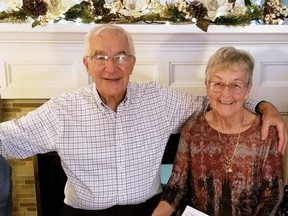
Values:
[(222, 163)]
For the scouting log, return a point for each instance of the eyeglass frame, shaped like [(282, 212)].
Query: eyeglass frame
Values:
[(107, 58), (223, 85)]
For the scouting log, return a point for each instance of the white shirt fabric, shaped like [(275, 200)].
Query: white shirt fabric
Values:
[(110, 158)]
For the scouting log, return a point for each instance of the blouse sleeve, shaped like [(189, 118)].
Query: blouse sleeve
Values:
[(176, 188), (272, 179)]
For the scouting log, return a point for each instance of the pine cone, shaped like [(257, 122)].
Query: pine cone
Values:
[(198, 10), (35, 8), (100, 10)]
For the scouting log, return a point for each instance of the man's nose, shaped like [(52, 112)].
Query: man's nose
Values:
[(110, 65)]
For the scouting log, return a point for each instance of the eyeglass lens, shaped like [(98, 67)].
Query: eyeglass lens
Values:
[(235, 88)]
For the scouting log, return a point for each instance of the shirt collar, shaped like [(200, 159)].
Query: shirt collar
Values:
[(101, 104)]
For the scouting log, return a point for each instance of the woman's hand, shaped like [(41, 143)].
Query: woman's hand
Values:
[(163, 209)]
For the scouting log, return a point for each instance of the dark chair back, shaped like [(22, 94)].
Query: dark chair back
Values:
[(284, 205), (50, 178), (50, 181)]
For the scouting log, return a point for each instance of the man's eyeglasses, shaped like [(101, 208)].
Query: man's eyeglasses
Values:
[(234, 88), (119, 59)]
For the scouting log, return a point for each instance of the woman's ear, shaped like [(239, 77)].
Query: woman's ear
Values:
[(249, 87)]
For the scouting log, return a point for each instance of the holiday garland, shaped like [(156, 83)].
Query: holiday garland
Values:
[(200, 12)]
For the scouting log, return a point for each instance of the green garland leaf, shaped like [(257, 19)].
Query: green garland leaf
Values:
[(79, 11), (36, 23), (14, 16), (203, 24), (172, 14), (254, 12), (230, 20)]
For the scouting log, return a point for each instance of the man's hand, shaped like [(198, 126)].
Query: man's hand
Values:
[(271, 117)]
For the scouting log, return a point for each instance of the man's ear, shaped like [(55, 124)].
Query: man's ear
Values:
[(133, 64), (85, 62)]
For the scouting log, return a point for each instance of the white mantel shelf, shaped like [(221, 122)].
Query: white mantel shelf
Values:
[(68, 32), (146, 28)]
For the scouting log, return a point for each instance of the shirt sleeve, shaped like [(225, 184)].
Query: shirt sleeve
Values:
[(180, 106), (251, 105), (33, 133)]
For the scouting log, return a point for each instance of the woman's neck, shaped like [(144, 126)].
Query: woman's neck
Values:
[(231, 125), (226, 124)]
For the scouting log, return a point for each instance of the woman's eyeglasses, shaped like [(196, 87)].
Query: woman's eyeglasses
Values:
[(234, 88)]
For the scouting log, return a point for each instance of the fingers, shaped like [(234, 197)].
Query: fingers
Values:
[(282, 135), (282, 144), (265, 128), (281, 130)]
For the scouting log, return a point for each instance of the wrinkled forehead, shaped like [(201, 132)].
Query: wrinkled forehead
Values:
[(235, 66), (234, 71), (109, 41)]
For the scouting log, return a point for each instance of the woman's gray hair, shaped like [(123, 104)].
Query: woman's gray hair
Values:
[(98, 29), (227, 56)]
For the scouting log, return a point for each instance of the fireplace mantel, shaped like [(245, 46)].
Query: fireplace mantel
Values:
[(45, 61), (71, 31), (145, 28)]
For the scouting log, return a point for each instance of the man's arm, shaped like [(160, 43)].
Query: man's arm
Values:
[(271, 117)]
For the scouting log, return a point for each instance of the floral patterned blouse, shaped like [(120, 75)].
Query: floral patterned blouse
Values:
[(255, 185)]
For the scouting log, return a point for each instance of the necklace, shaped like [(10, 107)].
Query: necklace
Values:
[(228, 168)]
